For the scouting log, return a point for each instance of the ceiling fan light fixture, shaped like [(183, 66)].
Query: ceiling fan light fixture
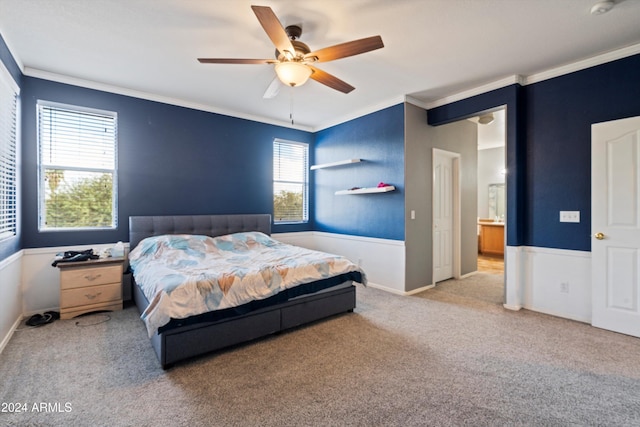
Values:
[(293, 73)]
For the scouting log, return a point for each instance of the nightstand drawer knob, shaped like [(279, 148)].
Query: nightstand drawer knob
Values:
[(93, 296), (92, 277)]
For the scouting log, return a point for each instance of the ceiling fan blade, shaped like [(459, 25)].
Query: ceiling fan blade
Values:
[(273, 89), (344, 50), (274, 29), (330, 80), (235, 61)]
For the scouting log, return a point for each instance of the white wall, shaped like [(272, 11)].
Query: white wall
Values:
[(381, 259), (10, 297), (551, 281)]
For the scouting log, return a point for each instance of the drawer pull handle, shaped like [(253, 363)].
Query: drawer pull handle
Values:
[(92, 296), (92, 277)]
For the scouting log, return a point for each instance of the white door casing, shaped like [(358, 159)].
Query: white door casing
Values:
[(446, 217), (615, 225)]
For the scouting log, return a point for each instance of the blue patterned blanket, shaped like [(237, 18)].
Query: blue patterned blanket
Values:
[(185, 275)]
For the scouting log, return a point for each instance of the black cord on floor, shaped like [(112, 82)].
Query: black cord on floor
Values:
[(82, 324)]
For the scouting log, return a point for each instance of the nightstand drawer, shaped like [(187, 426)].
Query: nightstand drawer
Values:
[(91, 295), (75, 277)]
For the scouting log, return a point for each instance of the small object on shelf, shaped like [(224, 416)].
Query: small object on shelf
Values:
[(338, 163), (384, 189)]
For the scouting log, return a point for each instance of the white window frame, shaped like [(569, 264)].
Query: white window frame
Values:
[(42, 227), (9, 136), (304, 182)]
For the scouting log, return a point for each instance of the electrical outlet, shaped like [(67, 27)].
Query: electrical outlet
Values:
[(569, 216), (564, 287), (359, 262)]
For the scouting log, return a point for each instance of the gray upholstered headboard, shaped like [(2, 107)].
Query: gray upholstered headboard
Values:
[(141, 227)]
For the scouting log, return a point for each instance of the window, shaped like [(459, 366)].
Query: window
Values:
[(8, 175), (77, 167), (290, 181)]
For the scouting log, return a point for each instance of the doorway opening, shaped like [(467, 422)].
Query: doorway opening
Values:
[(486, 285), (492, 203)]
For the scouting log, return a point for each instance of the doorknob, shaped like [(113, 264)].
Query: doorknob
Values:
[(599, 236)]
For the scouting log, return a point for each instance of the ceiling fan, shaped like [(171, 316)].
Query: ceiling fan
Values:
[(294, 59)]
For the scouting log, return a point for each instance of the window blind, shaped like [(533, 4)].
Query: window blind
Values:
[(77, 154), (290, 181), (8, 146)]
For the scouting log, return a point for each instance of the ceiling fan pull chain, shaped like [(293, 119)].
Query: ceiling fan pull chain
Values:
[(291, 104)]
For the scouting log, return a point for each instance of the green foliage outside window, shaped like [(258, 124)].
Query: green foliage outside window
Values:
[(87, 202), (288, 206)]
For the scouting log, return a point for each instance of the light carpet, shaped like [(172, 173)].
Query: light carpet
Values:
[(450, 356)]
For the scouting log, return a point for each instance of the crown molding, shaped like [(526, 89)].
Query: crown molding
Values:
[(498, 84), (584, 64), (12, 52), (538, 77), (361, 112), (479, 90), (413, 101), (74, 81)]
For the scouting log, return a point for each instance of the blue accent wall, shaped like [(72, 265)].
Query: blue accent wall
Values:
[(171, 161), (549, 146), (559, 114), (12, 245), (377, 139)]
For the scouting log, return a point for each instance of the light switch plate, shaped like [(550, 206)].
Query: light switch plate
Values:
[(569, 216)]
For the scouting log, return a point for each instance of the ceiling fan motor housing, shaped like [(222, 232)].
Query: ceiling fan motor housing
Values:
[(294, 32), (301, 50)]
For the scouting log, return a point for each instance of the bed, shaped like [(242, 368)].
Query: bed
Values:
[(183, 338)]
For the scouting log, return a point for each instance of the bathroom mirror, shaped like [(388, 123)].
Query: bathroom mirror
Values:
[(497, 206)]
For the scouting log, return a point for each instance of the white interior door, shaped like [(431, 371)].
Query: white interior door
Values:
[(615, 225), (444, 189)]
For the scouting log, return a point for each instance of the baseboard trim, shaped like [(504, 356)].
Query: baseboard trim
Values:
[(512, 307), (399, 292), (464, 276), (385, 288), (7, 338), (421, 289), (558, 314)]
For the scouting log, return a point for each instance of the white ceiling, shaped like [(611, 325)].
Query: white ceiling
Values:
[(433, 48)]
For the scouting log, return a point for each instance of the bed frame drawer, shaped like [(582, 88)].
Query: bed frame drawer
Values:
[(219, 335), (318, 307)]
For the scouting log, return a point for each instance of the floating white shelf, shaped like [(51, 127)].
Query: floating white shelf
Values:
[(340, 163), (366, 190)]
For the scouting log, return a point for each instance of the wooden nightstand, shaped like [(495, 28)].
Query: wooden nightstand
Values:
[(92, 285)]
